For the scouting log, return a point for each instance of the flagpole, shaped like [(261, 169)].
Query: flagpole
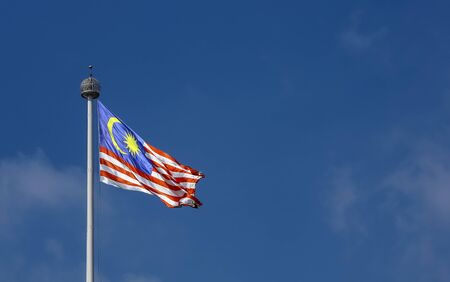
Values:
[(90, 90)]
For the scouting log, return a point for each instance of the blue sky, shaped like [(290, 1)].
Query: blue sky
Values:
[(322, 128)]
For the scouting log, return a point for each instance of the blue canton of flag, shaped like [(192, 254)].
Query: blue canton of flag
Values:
[(128, 162)]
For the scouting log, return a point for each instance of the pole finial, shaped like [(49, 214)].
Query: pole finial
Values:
[(90, 69), (90, 87)]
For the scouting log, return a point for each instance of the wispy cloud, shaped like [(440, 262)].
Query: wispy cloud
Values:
[(342, 201), (412, 200), (355, 38), (30, 182), (419, 192), (424, 179), (29, 185)]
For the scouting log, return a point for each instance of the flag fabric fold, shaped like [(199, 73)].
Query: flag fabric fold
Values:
[(128, 162)]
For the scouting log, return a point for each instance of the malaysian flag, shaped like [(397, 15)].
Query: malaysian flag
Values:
[(128, 162)]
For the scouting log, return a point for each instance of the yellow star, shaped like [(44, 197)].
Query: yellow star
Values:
[(132, 145)]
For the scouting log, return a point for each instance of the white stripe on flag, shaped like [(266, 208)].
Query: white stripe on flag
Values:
[(159, 188), (138, 189)]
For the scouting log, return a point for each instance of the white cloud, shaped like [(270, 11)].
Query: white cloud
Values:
[(413, 202), (32, 182), (29, 185), (342, 201), (424, 180), (354, 38), (38, 181), (358, 40), (420, 190)]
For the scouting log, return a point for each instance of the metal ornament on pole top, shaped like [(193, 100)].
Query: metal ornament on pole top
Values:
[(90, 87), (90, 90)]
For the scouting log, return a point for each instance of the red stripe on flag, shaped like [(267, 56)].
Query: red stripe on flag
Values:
[(161, 153), (118, 179), (143, 186), (148, 177), (134, 169), (143, 175), (167, 175), (118, 168)]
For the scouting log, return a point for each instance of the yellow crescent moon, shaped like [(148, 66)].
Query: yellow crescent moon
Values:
[(111, 123)]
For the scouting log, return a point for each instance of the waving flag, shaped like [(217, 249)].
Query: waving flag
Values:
[(128, 162)]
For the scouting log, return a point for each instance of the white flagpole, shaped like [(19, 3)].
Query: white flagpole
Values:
[(90, 199), (90, 90)]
